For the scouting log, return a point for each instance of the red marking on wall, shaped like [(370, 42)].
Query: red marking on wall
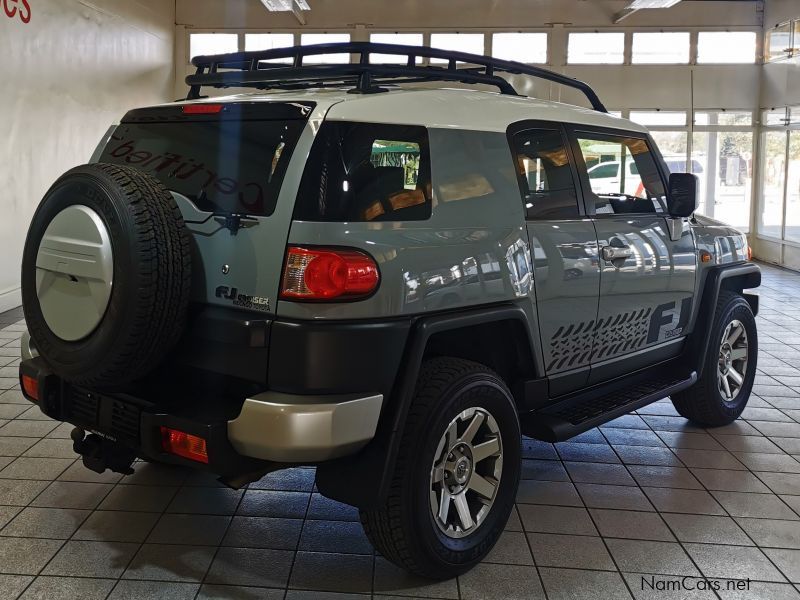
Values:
[(16, 9)]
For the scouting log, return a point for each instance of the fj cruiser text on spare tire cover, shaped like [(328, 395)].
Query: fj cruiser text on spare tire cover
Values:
[(106, 274)]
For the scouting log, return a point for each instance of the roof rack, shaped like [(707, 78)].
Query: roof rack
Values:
[(251, 69)]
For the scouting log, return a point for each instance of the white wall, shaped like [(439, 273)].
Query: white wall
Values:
[(75, 68)]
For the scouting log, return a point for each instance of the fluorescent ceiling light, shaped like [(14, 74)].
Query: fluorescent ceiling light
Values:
[(639, 4), (285, 5)]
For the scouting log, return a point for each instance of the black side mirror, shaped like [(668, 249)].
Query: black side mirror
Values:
[(682, 196)]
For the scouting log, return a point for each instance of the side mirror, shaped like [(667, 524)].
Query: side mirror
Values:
[(682, 196)]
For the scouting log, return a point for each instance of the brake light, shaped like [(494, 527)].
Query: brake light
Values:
[(183, 444), (327, 274), (31, 387), (202, 109)]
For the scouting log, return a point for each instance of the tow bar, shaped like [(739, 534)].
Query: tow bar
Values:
[(100, 453)]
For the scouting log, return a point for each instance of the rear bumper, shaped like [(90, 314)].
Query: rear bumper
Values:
[(271, 429)]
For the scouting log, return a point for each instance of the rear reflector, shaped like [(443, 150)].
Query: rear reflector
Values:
[(328, 274), (31, 387), (202, 109), (183, 444)]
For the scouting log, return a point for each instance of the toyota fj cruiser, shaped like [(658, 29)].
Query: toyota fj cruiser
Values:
[(391, 282)]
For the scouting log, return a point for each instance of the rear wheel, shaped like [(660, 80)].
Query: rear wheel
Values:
[(721, 394), (456, 474)]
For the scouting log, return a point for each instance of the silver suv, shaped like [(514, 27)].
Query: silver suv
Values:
[(391, 281)]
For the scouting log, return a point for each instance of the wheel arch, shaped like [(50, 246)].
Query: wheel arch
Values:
[(486, 335)]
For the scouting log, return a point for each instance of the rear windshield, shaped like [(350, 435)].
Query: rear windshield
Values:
[(222, 164)]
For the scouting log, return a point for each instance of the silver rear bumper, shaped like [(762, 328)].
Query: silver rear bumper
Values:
[(296, 429)]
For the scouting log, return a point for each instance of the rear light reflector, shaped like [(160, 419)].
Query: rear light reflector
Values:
[(31, 387), (202, 109), (328, 274), (183, 444)]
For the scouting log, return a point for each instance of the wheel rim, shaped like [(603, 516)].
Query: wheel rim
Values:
[(732, 363), (466, 472)]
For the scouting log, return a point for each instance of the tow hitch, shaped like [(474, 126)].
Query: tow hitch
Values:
[(100, 453)]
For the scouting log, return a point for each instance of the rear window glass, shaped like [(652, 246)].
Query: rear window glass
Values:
[(366, 172), (222, 165)]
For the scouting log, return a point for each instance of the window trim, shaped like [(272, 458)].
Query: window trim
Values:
[(527, 125), (573, 132)]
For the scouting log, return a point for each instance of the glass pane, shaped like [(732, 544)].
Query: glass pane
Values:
[(308, 39), (622, 174), (405, 39), (670, 47), (658, 118), (773, 169), (521, 47), (268, 41), (458, 42), (793, 189), (723, 163), (737, 118), (796, 38), (720, 47), (778, 43), (596, 48), (794, 115), (206, 44), (775, 116)]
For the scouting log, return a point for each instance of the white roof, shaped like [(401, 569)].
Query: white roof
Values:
[(439, 108)]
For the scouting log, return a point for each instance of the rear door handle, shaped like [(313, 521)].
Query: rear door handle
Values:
[(615, 253)]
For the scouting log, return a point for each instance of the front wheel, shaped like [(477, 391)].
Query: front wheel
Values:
[(721, 394), (456, 474)]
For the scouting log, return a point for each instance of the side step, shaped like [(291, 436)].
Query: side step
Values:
[(576, 414)]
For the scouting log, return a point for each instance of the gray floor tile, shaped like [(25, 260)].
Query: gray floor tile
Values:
[(761, 461), (23, 428), (665, 587), (329, 510), (24, 556), (501, 581), (772, 533), (578, 552), (51, 449), (634, 525), (560, 493), (50, 523), (780, 483), (613, 496), (117, 526), (697, 502), (393, 581), (91, 559), (44, 588), (729, 481), (251, 567), (78, 472), (334, 572), (570, 584), (647, 455), (263, 532), (511, 549), (11, 586), (582, 472), (601, 453), (290, 480), (766, 506), (788, 561), (138, 498), (709, 459), (707, 529), (68, 494), (19, 492), (669, 477), (45, 469), (165, 562), (639, 556), (334, 536), (233, 592), (136, 590), (544, 470), (758, 590), (262, 503), (189, 529), (735, 562), (207, 501), (556, 519)]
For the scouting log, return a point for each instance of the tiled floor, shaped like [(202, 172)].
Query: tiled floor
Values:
[(633, 506)]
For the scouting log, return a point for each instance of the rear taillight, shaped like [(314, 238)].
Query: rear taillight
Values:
[(202, 109), (328, 274), (184, 444), (30, 387)]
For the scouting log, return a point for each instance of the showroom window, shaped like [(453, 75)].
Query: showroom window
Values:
[(659, 118), (726, 47), (473, 43), (742, 118), (522, 47), (206, 44), (268, 41), (596, 48), (405, 39), (663, 47), (308, 39), (778, 42)]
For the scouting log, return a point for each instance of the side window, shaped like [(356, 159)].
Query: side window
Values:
[(545, 174), (366, 172), (622, 175)]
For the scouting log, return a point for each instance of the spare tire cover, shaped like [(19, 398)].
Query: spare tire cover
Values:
[(106, 274)]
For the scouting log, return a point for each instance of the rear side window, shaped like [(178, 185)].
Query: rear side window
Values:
[(545, 174), (635, 188), (366, 172)]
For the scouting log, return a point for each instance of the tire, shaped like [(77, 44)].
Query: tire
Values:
[(147, 294), (404, 529), (705, 403)]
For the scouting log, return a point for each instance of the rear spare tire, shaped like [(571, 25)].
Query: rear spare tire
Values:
[(106, 274)]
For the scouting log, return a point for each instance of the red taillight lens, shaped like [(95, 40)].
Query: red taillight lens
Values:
[(31, 387), (327, 273), (183, 444), (202, 109)]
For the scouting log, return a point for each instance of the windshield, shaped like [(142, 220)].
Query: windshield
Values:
[(222, 165)]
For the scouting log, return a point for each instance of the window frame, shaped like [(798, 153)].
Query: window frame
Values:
[(521, 127), (573, 133)]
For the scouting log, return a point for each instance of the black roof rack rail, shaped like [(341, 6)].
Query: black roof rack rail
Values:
[(249, 69)]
